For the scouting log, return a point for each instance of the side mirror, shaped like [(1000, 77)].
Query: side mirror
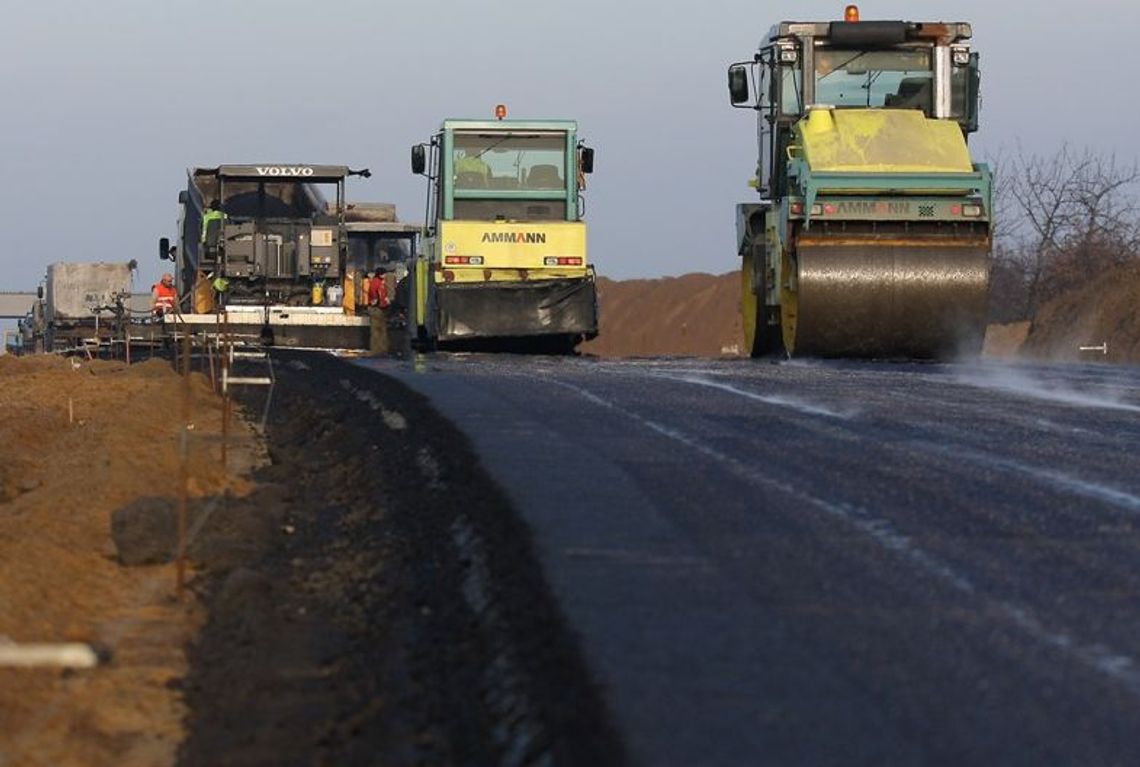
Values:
[(973, 95), (419, 159), (40, 292), (164, 249), (586, 162), (738, 84)]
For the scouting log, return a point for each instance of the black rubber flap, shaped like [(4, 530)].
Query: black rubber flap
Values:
[(512, 309), (867, 34)]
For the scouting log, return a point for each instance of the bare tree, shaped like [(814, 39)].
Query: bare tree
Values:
[(1009, 280), (1079, 216), (1006, 221)]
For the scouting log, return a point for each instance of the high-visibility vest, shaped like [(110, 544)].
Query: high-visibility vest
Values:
[(472, 164), (207, 217), (165, 297), (378, 292)]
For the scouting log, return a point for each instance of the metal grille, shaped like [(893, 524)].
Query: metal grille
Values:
[(926, 211)]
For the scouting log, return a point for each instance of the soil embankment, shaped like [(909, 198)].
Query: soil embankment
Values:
[(1004, 341), (1106, 310), (79, 440), (694, 315)]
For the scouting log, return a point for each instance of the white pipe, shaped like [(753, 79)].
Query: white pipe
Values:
[(65, 655)]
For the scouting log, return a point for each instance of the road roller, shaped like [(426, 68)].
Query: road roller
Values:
[(872, 235), (504, 264)]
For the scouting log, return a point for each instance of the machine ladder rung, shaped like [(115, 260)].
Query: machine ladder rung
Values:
[(247, 381)]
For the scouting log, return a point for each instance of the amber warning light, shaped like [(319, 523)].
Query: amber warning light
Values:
[(851, 13), (500, 111)]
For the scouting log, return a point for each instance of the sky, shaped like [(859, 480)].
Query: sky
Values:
[(106, 104)]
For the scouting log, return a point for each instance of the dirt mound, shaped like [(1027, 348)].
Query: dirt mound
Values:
[(1105, 310), (694, 315), (78, 440)]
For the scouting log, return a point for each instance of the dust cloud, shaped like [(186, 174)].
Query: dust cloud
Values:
[(1033, 382)]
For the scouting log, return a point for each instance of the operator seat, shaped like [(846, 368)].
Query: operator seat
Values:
[(544, 177), (913, 93)]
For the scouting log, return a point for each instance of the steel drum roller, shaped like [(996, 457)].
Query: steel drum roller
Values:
[(888, 298)]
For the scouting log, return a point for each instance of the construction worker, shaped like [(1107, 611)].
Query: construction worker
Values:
[(349, 302), (470, 170), (378, 303), (365, 281), (213, 213), (164, 296)]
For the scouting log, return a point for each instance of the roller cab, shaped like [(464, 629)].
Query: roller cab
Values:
[(504, 262), (872, 234)]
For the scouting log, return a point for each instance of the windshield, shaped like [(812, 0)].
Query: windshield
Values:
[(509, 161), (368, 251), (898, 79), (791, 91)]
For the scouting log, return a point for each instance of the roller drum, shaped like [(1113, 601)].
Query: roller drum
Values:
[(890, 299)]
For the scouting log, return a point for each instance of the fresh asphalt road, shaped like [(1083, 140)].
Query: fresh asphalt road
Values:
[(830, 563)]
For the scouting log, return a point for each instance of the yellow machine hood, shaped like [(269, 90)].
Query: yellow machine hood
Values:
[(880, 141)]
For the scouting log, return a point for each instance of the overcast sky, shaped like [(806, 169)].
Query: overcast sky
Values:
[(106, 104)]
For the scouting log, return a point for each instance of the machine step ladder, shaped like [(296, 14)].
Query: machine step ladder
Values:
[(229, 380)]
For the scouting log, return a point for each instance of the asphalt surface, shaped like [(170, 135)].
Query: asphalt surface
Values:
[(830, 563)]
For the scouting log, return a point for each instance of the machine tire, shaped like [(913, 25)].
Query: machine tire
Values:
[(424, 342), (761, 337), (789, 304)]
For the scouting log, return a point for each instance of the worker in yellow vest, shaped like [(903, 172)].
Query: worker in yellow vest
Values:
[(471, 171), (213, 213)]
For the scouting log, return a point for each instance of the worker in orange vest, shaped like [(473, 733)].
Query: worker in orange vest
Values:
[(378, 303), (364, 282), (164, 296)]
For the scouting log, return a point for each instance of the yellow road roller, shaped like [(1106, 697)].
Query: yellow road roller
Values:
[(873, 232), (504, 264)]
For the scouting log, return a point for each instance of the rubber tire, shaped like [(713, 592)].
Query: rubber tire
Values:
[(761, 337)]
